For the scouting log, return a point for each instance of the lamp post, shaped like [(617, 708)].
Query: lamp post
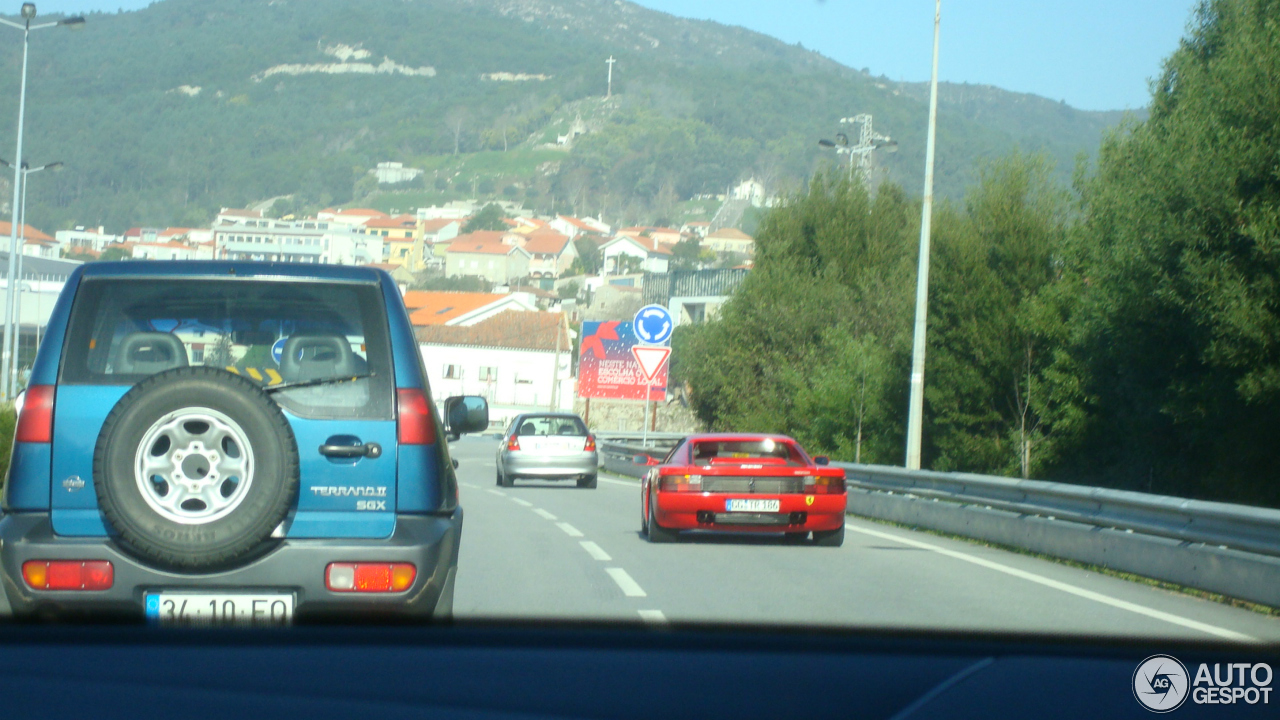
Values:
[(915, 414), (15, 340), (28, 14)]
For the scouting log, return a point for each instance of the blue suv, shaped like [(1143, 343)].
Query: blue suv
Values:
[(232, 443)]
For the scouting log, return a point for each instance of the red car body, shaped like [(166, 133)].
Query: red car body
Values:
[(743, 483)]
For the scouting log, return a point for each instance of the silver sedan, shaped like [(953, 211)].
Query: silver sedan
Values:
[(548, 446)]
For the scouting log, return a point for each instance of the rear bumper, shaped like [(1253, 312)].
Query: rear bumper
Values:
[(706, 511), (297, 566), (525, 464)]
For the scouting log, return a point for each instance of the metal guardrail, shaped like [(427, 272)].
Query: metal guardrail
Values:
[(1220, 547), (1252, 529), (616, 455)]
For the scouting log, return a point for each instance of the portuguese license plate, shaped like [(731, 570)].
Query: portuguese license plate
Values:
[(752, 505), (219, 609)]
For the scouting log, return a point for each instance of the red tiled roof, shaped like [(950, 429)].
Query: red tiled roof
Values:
[(438, 307), (30, 233), (484, 242), (729, 234), (512, 329), (400, 222), (361, 211), (437, 224), (545, 242)]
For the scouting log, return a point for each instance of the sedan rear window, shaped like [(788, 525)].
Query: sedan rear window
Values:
[(271, 332), (550, 425)]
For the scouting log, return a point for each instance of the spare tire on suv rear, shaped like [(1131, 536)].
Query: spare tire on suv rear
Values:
[(194, 468)]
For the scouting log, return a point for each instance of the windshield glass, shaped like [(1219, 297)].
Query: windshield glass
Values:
[(907, 317)]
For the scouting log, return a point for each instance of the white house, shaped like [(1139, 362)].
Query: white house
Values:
[(493, 255), (305, 241), (519, 361), (650, 255), (83, 239), (729, 240), (163, 251), (430, 232), (551, 254), (573, 227)]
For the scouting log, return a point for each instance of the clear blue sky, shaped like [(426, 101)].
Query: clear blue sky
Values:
[(1095, 54)]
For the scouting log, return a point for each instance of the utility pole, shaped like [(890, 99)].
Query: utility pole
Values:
[(611, 61), (915, 416)]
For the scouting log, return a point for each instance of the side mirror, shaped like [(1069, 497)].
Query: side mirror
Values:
[(640, 459), (821, 460), (466, 414)]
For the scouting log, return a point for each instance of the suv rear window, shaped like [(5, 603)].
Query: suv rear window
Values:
[(123, 330), (530, 425)]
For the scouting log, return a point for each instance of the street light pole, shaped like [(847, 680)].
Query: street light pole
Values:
[(915, 416), (28, 14), (16, 339)]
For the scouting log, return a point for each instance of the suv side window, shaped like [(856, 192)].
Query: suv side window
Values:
[(272, 332)]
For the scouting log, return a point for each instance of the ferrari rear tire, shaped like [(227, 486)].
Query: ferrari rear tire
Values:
[(657, 533), (829, 538)]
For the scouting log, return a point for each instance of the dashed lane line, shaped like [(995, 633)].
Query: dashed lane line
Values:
[(473, 487), (499, 493), (1064, 587), (611, 481), (630, 587), (595, 550), (652, 616), (569, 530), (544, 513), (518, 501)]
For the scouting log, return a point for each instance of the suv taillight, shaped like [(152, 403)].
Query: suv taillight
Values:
[(35, 421), (415, 423), (514, 443), (369, 577), (591, 444), (68, 574)]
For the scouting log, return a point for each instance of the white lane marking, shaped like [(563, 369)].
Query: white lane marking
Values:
[(595, 550), (544, 513), (569, 530), (499, 493), (630, 587), (1065, 587), (632, 484), (652, 616), (518, 501), (474, 487)]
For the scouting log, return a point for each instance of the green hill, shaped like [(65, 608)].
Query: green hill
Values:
[(696, 107)]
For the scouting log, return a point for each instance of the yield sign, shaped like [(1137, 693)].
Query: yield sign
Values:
[(651, 359)]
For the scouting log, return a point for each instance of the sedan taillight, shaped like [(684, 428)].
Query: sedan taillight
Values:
[(513, 443), (591, 444)]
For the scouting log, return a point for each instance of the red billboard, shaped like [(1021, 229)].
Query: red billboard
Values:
[(607, 369)]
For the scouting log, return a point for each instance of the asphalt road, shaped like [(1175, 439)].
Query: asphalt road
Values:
[(551, 550)]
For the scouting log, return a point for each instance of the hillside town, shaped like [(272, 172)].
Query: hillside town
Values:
[(509, 336)]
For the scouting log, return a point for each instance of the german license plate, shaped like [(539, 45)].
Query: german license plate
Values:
[(218, 609), (753, 505)]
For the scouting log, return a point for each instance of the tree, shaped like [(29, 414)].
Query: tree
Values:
[(490, 217), (115, 253), (1176, 327), (587, 261), (456, 119)]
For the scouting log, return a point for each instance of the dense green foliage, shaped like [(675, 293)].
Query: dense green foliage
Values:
[(1129, 336), (699, 108), (490, 217)]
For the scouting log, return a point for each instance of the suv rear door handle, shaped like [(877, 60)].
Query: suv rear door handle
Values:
[(369, 450)]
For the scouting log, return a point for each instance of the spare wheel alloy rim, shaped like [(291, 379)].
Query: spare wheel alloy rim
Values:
[(194, 466)]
